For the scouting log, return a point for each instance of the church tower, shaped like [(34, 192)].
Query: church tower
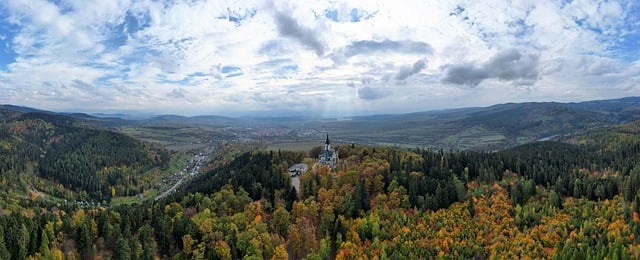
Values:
[(328, 156), (327, 144)]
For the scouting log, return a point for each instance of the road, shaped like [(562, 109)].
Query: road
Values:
[(295, 181), (169, 191)]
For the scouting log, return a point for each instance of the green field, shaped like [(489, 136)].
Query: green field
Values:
[(298, 146), (180, 139), (148, 194)]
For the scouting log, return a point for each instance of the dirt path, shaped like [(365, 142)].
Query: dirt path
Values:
[(34, 190)]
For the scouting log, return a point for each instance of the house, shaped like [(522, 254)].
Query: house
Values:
[(297, 169), (328, 156)]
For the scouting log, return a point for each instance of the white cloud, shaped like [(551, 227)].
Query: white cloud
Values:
[(357, 56)]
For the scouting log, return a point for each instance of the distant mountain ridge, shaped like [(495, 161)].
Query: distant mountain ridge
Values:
[(476, 128), (481, 128), (20, 108)]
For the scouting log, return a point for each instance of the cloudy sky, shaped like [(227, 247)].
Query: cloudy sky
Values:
[(329, 57)]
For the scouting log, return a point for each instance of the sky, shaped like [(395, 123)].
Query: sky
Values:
[(329, 58)]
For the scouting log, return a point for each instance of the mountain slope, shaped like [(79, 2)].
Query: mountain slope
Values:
[(475, 128), (493, 127), (93, 162)]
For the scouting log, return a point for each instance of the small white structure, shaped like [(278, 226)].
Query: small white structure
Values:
[(297, 169)]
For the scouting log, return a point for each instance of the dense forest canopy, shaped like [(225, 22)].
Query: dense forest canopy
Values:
[(92, 162), (544, 200), (575, 199)]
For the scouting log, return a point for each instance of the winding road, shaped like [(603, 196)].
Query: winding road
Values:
[(169, 191)]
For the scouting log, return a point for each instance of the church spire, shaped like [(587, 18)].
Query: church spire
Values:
[(327, 145)]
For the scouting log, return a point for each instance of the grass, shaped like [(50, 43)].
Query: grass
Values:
[(180, 139), (115, 201), (147, 195), (438, 136), (298, 146)]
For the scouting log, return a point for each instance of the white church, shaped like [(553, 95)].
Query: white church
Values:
[(328, 156)]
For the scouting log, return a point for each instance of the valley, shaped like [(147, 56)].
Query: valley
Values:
[(539, 180), (490, 128), (319, 130)]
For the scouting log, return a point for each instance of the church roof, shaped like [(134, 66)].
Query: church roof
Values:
[(327, 153)]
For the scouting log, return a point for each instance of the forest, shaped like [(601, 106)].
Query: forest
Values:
[(577, 199), (93, 163)]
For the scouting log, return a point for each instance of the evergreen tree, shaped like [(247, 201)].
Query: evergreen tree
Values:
[(23, 242), (148, 246), (84, 235), (4, 252), (44, 246), (122, 250)]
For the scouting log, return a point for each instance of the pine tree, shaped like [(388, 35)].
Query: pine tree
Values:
[(84, 235), (44, 246), (23, 242), (148, 246), (4, 252), (122, 250)]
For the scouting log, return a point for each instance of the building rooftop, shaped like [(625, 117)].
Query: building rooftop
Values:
[(298, 166)]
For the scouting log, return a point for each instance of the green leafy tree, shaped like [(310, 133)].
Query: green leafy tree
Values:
[(281, 221)]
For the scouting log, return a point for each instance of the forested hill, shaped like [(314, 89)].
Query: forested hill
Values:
[(494, 127), (259, 173), (485, 128), (91, 162), (578, 200)]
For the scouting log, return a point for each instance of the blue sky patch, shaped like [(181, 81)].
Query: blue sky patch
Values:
[(117, 37), (457, 11), (7, 56), (137, 22), (239, 18), (184, 81), (331, 14), (229, 69), (628, 48), (520, 28), (355, 15), (285, 71), (235, 74), (289, 68), (197, 74), (119, 33), (190, 79), (7, 32)]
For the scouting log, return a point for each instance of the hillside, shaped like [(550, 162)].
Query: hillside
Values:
[(495, 127), (608, 138), (70, 159), (574, 196), (476, 128), (577, 200)]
